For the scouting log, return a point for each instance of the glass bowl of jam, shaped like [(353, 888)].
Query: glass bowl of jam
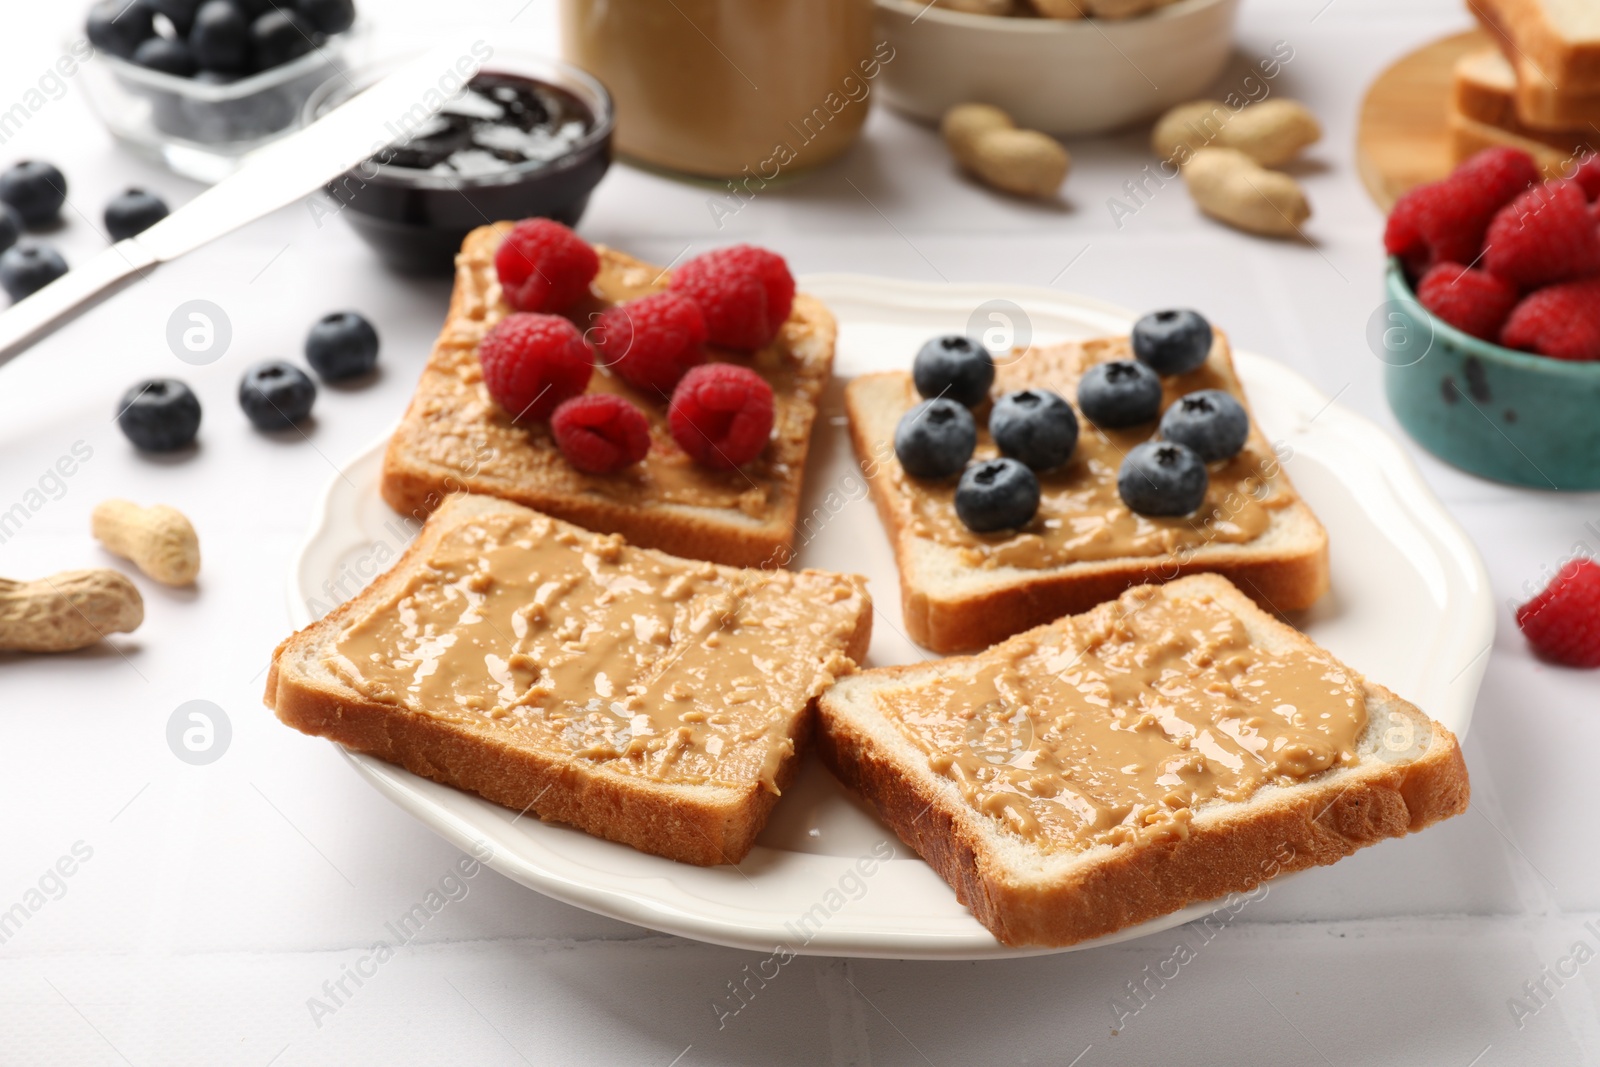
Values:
[(525, 136)]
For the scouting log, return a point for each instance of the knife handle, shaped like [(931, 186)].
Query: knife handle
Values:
[(77, 290)]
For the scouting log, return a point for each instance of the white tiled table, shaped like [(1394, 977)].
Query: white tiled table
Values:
[(217, 900)]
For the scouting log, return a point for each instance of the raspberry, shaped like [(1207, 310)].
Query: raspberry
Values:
[(1587, 175), (1543, 236), (745, 292), (721, 414), (600, 432), (1470, 300), (1562, 321), (1562, 623), (651, 342), (1444, 221), (543, 266), (531, 363)]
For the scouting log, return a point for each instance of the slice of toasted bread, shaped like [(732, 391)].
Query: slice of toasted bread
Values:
[(1555, 41), (1487, 90), (455, 438), (1468, 138), (957, 590), (647, 699), (1041, 851)]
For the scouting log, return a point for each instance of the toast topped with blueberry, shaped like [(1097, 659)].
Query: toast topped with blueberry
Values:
[(629, 341), (1020, 489)]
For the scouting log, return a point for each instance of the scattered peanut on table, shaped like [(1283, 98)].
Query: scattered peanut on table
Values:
[(1224, 153), (1272, 132), (1230, 186), (67, 611), (986, 142), (158, 539)]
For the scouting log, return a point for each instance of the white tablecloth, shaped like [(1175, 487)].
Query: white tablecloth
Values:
[(209, 909)]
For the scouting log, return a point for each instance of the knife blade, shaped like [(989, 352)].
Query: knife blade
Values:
[(271, 177)]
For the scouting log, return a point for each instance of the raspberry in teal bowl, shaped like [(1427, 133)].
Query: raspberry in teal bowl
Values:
[(1495, 412)]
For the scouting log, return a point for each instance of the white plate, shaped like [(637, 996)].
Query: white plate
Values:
[(1410, 607)]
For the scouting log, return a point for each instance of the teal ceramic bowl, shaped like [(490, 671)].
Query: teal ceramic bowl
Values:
[(1494, 412)]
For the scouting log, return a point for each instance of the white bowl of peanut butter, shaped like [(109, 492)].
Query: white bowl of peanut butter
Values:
[(1077, 76)]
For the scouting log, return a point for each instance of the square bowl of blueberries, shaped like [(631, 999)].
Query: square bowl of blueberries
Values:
[(196, 84)]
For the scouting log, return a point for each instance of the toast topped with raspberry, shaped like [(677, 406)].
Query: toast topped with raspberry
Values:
[(705, 502), (970, 579)]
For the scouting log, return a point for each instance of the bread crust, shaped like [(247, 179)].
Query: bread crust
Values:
[(414, 484), (1526, 34), (702, 825), (1312, 824), (946, 622)]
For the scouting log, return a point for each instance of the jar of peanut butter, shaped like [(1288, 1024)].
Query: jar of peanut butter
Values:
[(738, 89)]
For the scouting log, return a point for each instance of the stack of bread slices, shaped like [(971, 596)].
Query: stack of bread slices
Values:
[(1537, 89)]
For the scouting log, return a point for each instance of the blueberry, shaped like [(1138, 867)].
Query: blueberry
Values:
[(11, 226), (276, 395), (167, 55), (278, 37), (935, 439), (342, 345), (27, 268), (220, 39), (328, 16), (179, 12), (132, 213), (118, 26), (997, 494), (1172, 342), (956, 367), (1035, 426), (1121, 393), (1162, 478), (1209, 421), (37, 190), (159, 414)]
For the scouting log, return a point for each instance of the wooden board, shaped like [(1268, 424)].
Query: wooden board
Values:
[(1402, 139)]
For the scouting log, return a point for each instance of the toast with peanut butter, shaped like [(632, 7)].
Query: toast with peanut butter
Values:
[(455, 438), (1169, 747), (647, 699), (961, 590)]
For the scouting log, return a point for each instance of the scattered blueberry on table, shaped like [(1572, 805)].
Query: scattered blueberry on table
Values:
[(159, 414), (275, 395), (11, 226), (133, 212), (35, 190), (341, 346), (27, 268)]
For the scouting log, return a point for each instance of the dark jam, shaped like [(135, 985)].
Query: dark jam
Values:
[(505, 147), (496, 123)]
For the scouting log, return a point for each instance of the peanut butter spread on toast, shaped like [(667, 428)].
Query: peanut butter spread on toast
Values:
[(454, 424), (1081, 517), (1116, 725), (664, 668)]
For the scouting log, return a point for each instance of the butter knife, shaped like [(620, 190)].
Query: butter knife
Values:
[(269, 178)]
